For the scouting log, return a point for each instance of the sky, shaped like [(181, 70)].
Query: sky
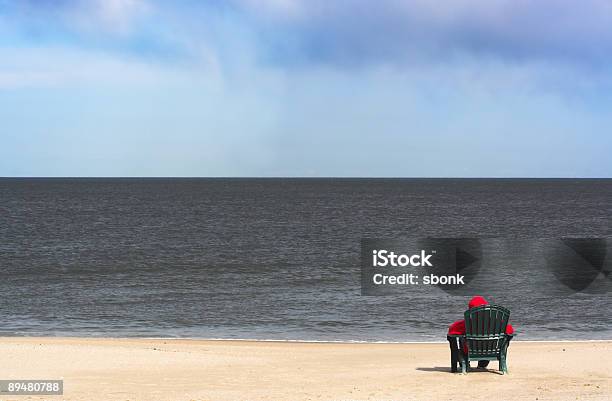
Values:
[(306, 88)]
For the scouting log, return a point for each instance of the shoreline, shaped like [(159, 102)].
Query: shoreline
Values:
[(96, 368), (272, 340)]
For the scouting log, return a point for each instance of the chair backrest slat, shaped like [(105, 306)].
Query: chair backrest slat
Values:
[(485, 328)]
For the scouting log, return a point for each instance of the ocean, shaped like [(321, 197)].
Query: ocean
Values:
[(279, 258)]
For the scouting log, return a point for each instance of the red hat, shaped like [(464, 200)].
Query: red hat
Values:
[(477, 301)]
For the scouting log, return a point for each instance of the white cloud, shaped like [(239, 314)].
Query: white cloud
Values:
[(276, 8), (37, 67), (109, 16), (119, 13)]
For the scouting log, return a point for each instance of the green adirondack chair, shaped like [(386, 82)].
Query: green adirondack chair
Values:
[(485, 336)]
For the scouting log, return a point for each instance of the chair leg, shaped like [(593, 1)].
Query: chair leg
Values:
[(463, 358), (503, 365), (465, 364)]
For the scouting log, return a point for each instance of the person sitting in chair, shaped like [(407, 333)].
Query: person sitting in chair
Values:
[(458, 328)]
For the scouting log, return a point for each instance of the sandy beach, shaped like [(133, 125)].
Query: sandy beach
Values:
[(159, 369)]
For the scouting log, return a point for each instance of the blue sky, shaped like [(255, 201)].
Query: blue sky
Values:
[(390, 88)]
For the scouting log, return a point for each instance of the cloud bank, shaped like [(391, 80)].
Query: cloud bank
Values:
[(356, 32), (295, 88)]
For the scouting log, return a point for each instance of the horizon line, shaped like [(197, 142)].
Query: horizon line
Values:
[(314, 177)]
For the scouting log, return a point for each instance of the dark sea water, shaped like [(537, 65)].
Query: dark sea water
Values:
[(278, 258)]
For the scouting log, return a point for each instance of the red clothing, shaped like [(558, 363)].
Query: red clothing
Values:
[(458, 327)]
